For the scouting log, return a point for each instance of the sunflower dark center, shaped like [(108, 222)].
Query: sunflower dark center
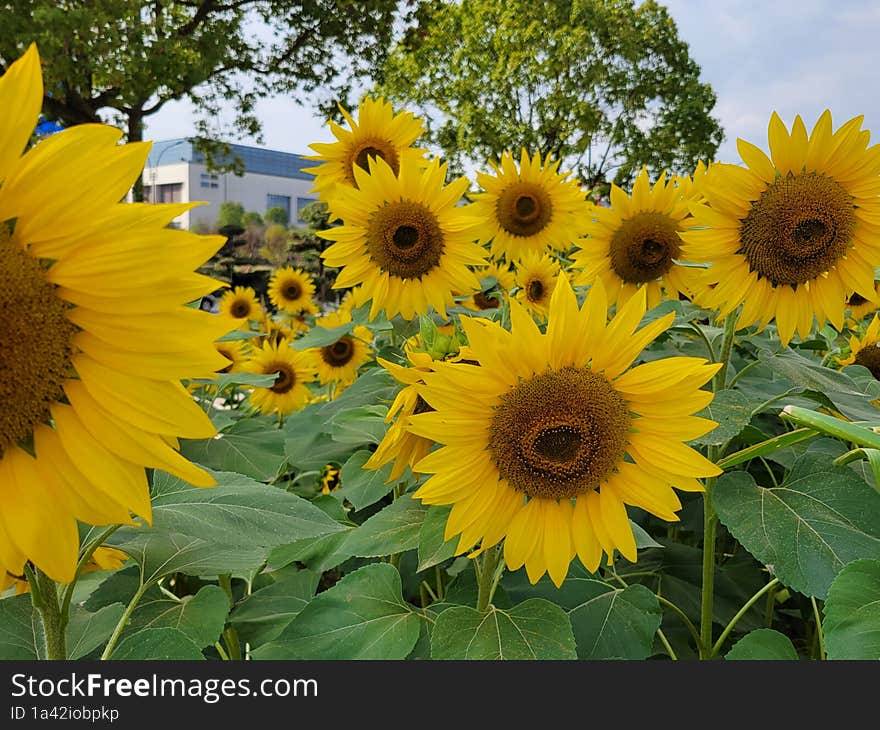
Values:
[(372, 148), (240, 308), (869, 357), (798, 229), (535, 290), (339, 353), (292, 291), (286, 378), (405, 240), (524, 209), (484, 301), (36, 350), (644, 247), (560, 434)]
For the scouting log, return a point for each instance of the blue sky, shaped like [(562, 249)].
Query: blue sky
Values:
[(792, 56)]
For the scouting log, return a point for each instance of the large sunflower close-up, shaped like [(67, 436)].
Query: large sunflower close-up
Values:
[(405, 239), (545, 443), (291, 290), (536, 277), (96, 336), (339, 361), (377, 133), (635, 242), (791, 236), (293, 370), (529, 208)]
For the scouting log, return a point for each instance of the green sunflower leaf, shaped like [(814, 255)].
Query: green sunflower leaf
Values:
[(264, 614), (764, 644), (852, 612), (248, 447), (319, 336), (18, 629), (363, 487), (229, 528), (87, 631), (433, 550), (614, 623), (732, 410), (201, 617), (394, 529), (806, 529), (533, 629), (363, 616), (157, 644)]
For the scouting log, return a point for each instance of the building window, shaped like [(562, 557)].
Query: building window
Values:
[(204, 184), (167, 193), (300, 204)]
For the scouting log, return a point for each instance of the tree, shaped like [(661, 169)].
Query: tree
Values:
[(251, 218), (278, 215), (602, 84), (230, 214), (125, 59)]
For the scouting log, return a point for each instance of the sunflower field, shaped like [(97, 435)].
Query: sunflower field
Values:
[(534, 426)]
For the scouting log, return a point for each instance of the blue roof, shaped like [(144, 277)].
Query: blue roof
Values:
[(256, 159)]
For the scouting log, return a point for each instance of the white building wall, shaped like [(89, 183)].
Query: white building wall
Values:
[(251, 190)]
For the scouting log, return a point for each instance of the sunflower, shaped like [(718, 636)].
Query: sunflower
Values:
[(859, 307), (339, 361), (291, 290), (529, 209), (536, 277), (378, 133), (96, 337), (329, 479), (235, 352), (493, 297), (634, 244), (294, 369), (398, 444), (790, 237), (546, 441), (865, 351), (404, 239), (240, 304)]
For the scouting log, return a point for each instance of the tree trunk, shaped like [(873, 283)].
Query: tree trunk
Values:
[(136, 134)]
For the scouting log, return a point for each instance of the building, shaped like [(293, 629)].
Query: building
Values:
[(176, 173)]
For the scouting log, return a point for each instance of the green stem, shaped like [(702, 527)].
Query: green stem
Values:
[(739, 614), (123, 621), (666, 644), (488, 576), (687, 622), (80, 566), (230, 635), (710, 518), (819, 633), (699, 330), (45, 600)]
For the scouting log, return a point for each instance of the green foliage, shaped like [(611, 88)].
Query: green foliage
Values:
[(534, 629), (251, 218), (277, 216), (764, 644), (128, 58), (605, 85), (231, 213), (806, 529), (852, 612), (363, 616)]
